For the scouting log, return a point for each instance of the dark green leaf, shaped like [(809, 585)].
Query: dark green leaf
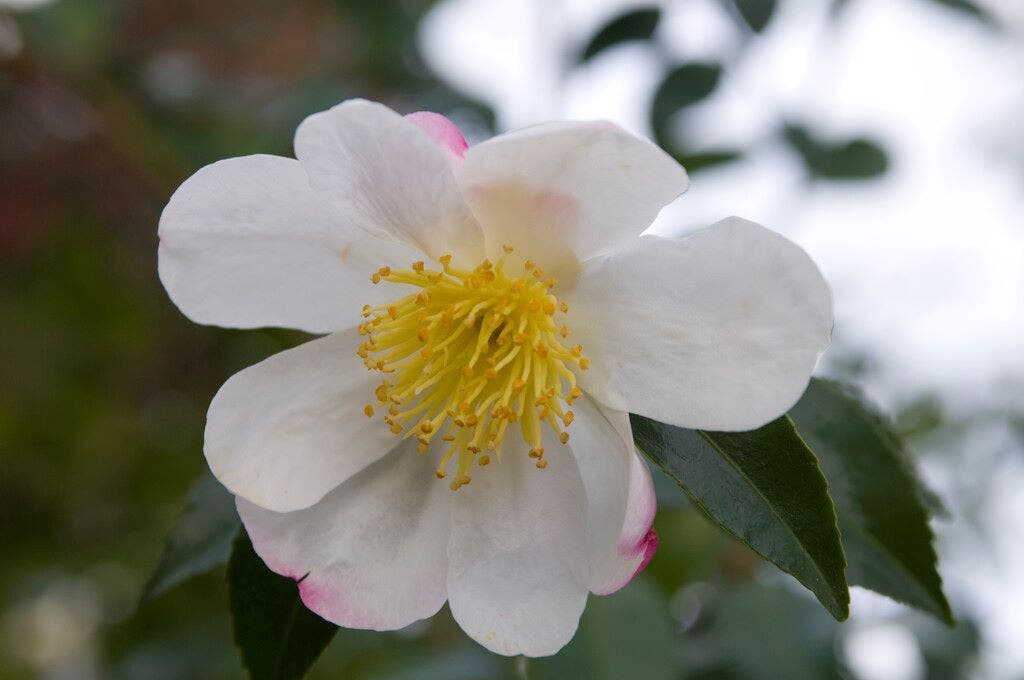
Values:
[(200, 541), (765, 488), (624, 635), (882, 515), (681, 87), (757, 13), (278, 637), (858, 158), (702, 160), (638, 24)]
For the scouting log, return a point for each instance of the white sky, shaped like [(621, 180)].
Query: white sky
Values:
[(927, 265)]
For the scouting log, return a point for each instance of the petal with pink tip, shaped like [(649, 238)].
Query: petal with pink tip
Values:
[(620, 496), (389, 176), (373, 553), (441, 130)]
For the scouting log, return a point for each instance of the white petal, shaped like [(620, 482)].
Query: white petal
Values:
[(371, 554), (563, 192), (517, 578), (390, 176), (286, 431), (719, 330), (245, 242), (620, 496)]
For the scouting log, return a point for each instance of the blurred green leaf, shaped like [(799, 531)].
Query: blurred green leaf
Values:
[(279, 638), (624, 635), (879, 501), (757, 13), (765, 488), (858, 158), (765, 633), (695, 162), (638, 24), (968, 7), (200, 541), (681, 87)]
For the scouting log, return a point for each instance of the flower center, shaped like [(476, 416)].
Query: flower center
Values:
[(469, 355)]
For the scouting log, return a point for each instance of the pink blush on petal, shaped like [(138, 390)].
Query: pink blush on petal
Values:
[(441, 130), (649, 545), (328, 605)]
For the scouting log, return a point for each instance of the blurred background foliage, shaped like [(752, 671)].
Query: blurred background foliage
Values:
[(105, 106)]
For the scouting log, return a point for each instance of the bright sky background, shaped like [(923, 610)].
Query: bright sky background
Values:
[(927, 265)]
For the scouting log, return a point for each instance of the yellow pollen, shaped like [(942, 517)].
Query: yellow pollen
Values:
[(471, 356)]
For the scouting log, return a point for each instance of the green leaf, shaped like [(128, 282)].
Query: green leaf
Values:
[(624, 635), (200, 541), (858, 158), (638, 24), (683, 86), (765, 488), (882, 513), (702, 160), (968, 7), (757, 13), (279, 638), (764, 631)]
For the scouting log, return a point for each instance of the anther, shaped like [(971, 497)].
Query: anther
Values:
[(368, 410)]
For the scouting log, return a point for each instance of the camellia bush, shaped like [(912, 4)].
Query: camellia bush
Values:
[(502, 357)]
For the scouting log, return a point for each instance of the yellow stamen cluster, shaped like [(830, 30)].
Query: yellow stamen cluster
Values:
[(469, 354)]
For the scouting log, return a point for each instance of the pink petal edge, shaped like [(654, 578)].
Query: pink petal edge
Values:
[(441, 130), (638, 540)]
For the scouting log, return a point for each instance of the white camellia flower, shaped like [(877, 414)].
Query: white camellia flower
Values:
[(479, 304)]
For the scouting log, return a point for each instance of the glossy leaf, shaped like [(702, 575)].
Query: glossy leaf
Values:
[(638, 24), (882, 512), (279, 638), (201, 539), (858, 158), (757, 13), (765, 488)]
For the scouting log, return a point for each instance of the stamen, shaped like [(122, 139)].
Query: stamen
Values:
[(431, 341)]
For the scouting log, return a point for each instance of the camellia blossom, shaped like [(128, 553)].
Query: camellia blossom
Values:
[(491, 316)]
